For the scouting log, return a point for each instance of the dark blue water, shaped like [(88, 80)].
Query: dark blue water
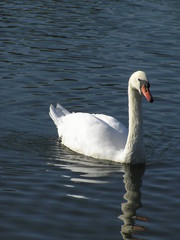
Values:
[(81, 54)]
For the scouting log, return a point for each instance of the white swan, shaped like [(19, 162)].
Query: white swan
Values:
[(104, 137)]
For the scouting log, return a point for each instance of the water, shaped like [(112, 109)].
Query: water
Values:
[(81, 54)]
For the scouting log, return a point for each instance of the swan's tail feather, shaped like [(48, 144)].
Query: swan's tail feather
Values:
[(57, 113), (61, 108)]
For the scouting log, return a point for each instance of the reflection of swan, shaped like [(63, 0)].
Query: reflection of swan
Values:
[(102, 136), (95, 172), (89, 170), (133, 180)]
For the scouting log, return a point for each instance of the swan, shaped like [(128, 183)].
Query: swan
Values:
[(102, 136)]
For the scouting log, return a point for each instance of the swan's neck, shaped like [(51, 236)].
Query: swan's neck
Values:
[(134, 150)]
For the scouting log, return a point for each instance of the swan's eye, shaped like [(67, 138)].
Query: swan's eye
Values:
[(144, 83), (147, 85)]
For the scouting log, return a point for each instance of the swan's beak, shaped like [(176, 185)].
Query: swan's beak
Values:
[(146, 92)]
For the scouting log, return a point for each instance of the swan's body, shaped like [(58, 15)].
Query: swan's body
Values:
[(104, 137)]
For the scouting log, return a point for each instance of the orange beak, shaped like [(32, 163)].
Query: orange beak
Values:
[(146, 92)]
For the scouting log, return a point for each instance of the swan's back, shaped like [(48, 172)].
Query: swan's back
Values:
[(95, 135)]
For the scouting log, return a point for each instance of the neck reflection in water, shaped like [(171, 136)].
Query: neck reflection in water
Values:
[(133, 180), (93, 171)]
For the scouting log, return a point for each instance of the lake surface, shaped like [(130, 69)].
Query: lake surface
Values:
[(81, 54)]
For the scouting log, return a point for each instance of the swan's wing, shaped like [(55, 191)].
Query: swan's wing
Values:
[(87, 134), (113, 122)]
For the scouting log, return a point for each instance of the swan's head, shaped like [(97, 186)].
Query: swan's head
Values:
[(138, 81)]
